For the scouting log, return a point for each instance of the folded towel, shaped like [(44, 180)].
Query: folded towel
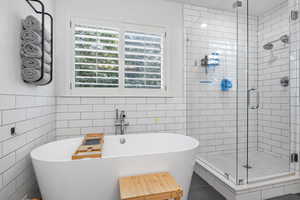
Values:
[(47, 47), (35, 63), (32, 23), (45, 79), (32, 75), (47, 36), (30, 50), (34, 38), (31, 36), (33, 51)]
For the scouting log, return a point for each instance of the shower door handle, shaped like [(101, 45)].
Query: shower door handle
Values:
[(257, 98)]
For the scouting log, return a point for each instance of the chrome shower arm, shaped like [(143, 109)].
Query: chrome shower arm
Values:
[(284, 39)]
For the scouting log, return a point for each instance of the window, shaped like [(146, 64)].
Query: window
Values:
[(120, 58), (96, 57), (143, 60)]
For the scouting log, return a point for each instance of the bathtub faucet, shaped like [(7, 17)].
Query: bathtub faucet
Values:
[(120, 122)]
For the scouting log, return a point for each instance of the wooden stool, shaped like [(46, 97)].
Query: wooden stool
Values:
[(159, 186)]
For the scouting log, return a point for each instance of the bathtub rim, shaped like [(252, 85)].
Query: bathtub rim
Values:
[(35, 157)]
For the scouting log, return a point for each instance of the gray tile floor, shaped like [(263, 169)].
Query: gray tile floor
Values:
[(200, 190)]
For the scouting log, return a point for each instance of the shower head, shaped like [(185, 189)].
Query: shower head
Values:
[(268, 46), (285, 39)]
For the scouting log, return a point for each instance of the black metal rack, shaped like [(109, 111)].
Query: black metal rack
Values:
[(43, 14)]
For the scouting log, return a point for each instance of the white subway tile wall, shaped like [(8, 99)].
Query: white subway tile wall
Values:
[(34, 120), (273, 117), (81, 115), (203, 112), (212, 113)]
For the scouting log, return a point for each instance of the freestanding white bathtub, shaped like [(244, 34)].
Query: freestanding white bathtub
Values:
[(61, 178)]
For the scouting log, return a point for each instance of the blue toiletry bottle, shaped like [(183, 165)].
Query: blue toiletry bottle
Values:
[(226, 85)]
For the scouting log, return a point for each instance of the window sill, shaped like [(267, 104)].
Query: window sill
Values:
[(141, 93)]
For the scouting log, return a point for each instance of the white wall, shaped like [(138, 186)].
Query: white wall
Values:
[(11, 14), (274, 116), (28, 108), (80, 115), (211, 113), (157, 13), (33, 110)]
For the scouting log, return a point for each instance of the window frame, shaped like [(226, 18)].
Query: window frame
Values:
[(121, 91)]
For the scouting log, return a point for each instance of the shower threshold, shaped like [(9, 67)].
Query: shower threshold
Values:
[(261, 185), (261, 165)]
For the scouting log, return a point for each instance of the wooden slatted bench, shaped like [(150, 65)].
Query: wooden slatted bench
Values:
[(159, 186)]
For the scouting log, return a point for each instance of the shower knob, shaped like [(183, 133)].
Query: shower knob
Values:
[(285, 81)]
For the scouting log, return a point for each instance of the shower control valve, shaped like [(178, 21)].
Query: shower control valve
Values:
[(285, 81)]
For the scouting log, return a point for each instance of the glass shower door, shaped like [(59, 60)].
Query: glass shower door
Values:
[(264, 136), (245, 131), (242, 82)]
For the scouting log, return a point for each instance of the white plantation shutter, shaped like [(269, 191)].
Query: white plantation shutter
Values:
[(143, 58), (96, 57), (114, 58)]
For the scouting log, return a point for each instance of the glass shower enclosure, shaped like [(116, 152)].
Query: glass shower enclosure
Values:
[(239, 88)]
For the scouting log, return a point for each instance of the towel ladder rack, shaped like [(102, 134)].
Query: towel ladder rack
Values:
[(43, 14)]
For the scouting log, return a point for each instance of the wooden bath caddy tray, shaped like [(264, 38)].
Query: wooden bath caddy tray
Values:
[(91, 147)]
